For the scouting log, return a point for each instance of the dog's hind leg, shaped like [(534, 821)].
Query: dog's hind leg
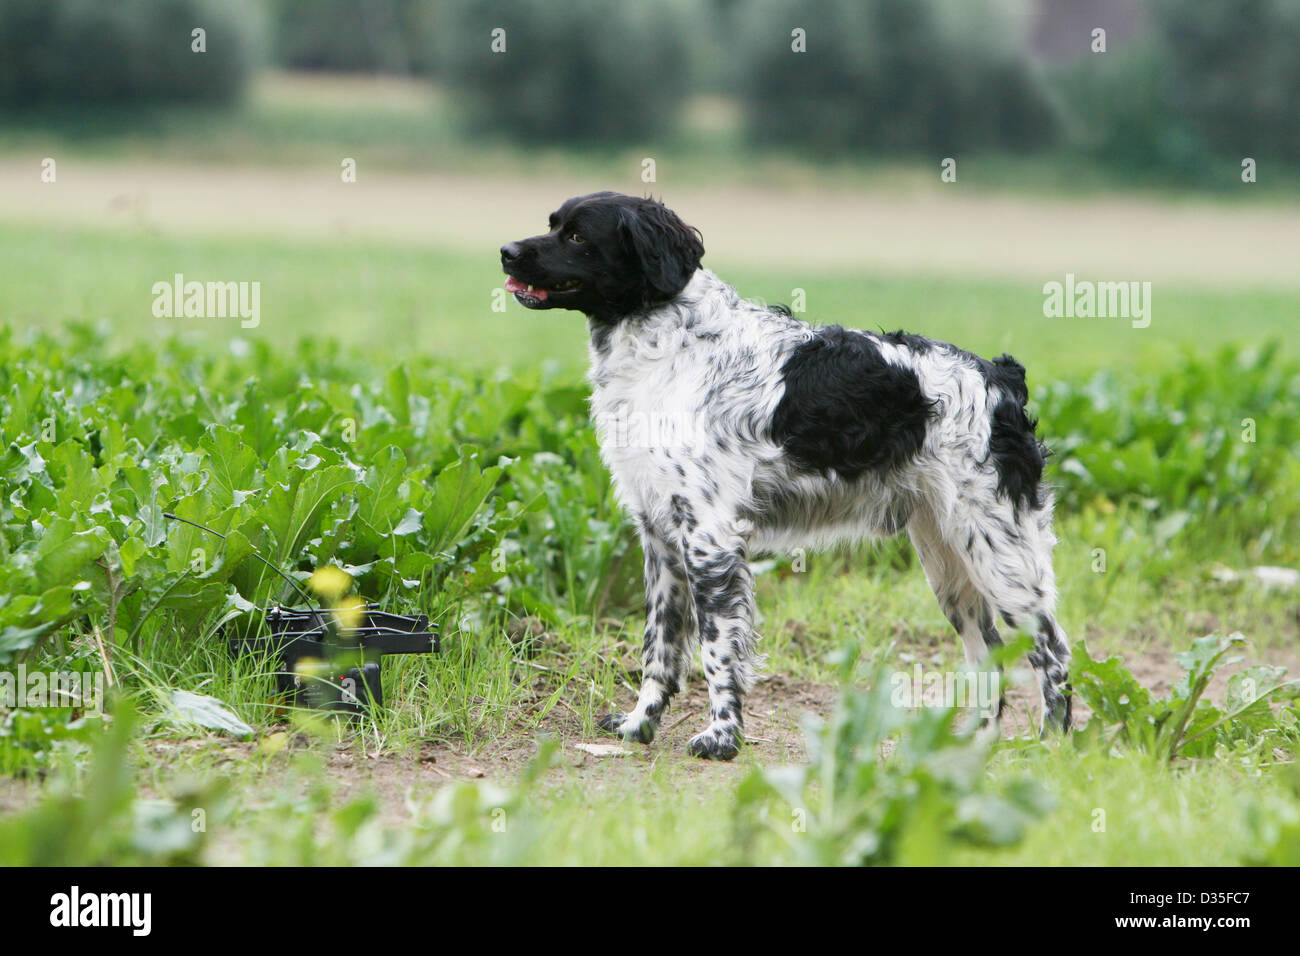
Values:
[(669, 622), (1008, 554), (961, 602), (1051, 659)]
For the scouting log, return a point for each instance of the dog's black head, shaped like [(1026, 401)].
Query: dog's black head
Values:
[(606, 254)]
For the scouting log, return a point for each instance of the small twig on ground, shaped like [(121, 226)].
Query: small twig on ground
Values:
[(568, 707), (103, 655), (678, 722)]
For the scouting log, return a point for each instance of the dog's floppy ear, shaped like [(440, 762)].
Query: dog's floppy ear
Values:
[(666, 250)]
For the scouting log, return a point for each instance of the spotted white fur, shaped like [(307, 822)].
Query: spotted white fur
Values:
[(714, 361)]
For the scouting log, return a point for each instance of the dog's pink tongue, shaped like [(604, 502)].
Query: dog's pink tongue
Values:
[(514, 285)]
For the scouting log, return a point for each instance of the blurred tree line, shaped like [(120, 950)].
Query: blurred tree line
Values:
[(1210, 79), (126, 52), (372, 36), (1204, 78)]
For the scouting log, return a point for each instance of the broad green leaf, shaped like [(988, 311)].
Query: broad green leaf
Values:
[(207, 712), (64, 554), (459, 491), (232, 464)]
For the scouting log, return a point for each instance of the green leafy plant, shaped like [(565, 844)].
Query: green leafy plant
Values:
[(1184, 724), (101, 822), (33, 739), (1274, 825), (885, 786), (420, 484)]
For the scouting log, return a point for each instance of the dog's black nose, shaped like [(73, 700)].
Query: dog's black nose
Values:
[(510, 251)]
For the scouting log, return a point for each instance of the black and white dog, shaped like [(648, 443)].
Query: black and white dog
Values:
[(731, 427)]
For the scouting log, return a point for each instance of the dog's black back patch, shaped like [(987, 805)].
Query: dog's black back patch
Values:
[(917, 343), (1017, 453), (846, 409)]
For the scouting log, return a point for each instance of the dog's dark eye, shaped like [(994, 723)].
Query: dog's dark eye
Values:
[(574, 237)]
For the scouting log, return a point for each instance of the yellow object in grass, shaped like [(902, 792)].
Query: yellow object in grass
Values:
[(349, 613), (330, 584)]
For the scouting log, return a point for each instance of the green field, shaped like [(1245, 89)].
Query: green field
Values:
[(439, 303), (391, 415), (205, 418), (394, 430)]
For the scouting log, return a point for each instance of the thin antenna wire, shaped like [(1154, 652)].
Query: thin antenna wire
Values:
[(293, 584)]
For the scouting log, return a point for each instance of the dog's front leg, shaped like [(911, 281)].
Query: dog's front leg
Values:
[(668, 623), (722, 588)]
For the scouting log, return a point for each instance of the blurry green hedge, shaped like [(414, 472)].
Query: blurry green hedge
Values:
[(581, 70), (1211, 80), (366, 36), (126, 51), (890, 76), (1214, 436)]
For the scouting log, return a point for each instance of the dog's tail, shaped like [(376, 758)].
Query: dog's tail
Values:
[(1009, 375), (1017, 453)]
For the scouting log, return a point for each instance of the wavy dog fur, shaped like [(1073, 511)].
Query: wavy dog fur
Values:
[(731, 427)]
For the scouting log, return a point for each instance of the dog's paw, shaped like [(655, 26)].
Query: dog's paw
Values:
[(1057, 716), (611, 723), (987, 731), (617, 725), (715, 744)]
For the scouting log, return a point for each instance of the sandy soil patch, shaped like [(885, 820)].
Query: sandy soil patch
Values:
[(943, 230)]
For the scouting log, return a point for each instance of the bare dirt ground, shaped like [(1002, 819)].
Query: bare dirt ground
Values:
[(774, 717), (943, 230), (773, 724), (775, 713)]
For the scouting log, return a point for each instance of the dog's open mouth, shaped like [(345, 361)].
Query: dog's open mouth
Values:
[(533, 296)]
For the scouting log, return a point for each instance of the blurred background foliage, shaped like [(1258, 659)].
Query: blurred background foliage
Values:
[(611, 72), (62, 52), (367, 36), (1182, 82), (1204, 79), (891, 76)]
